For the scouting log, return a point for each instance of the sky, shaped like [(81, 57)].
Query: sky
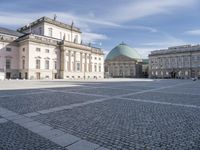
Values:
[(145, 25)]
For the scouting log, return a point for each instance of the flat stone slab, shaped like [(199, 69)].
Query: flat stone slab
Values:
[(65, 140), (2, 120), (102, 148), (31, 114), (83, 145), (49, 134)]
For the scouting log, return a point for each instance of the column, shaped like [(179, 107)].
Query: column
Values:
[(90, 63), (81, 61), (69, 63), (85, 62), (74, 62)]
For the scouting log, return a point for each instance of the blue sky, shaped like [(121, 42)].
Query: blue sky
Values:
[(143, 24)]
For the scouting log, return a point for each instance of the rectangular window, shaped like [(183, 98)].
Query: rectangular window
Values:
[(55, 65), (46, 50), (38, 49), (76, 39), (40, 30), (99, 68), (8, 49), (50, 32), (46, 64), (95, 68), (23, 64), (78, 67), (8, 63), (23, 49), (37, 64)]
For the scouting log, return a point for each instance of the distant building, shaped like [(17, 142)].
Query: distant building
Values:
[(175, 62), (123, 62), (47, 48)]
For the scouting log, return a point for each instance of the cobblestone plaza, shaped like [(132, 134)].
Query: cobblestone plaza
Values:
[(116, 114)]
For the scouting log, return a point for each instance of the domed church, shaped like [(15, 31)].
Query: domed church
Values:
[(123, 62)]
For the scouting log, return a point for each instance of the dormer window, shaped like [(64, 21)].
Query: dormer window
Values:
[(50, 32), (40, 30)]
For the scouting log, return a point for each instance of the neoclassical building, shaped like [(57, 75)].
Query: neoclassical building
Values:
[(123, 62), (175, 62), (47, 48)]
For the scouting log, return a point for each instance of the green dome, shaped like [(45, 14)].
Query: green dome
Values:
[(123, 50)]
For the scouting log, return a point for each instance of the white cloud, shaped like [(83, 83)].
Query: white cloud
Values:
[(193, 32), (143, 8), (93, 37)]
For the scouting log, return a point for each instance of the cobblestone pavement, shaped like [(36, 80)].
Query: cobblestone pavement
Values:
[(89, 115), (15, 137), (39, 101)]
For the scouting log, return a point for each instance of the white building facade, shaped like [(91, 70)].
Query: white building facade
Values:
[(48, 49), (175, 62)]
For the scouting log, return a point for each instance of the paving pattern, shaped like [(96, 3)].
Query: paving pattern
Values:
[(121, 115), (15, 137)]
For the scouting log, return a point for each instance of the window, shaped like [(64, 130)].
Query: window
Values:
[(23, 49), (95, 68), (37, 64), (99, 67), (8, 49), (46, 50), (23, 64), (8, 63), (38, 49), (55, 65), (76, 39), (40, 30), (50, 32), (46, 64), (78, 66)]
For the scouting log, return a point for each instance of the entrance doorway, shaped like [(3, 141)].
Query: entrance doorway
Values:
[(173, 75), (8, 75), (26, 75), (20, 75), (37, 75)]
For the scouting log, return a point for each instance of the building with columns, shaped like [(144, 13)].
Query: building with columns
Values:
[(47, 48), (175, 62), (123, 62)]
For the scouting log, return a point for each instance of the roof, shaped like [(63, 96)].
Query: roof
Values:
[(123, 50), (10, 32), (51, 21)]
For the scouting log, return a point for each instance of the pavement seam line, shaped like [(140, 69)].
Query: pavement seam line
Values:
[(65, 107), (162, 103), (63, 140)]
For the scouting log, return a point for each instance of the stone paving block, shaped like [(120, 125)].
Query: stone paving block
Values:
[(31, 124), (83, 145), (9, 113), (2, 120), (22, 120), (31, 114), (52, 133), (41, 128), (65, 140), (102, 148), (16, 117)]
